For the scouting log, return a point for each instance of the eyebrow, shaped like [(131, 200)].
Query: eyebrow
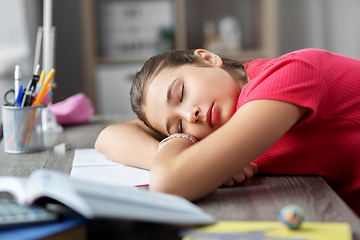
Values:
[(168, 95)]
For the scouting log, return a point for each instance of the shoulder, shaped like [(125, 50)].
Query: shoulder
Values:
[(294, 78), (296, 67), (300, 59), (305, 54)]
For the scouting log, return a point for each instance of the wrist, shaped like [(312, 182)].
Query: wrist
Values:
[(179, 135)]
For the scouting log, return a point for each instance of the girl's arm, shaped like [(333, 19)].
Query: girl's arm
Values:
[(193, 171), (135, 144), (131, 143)]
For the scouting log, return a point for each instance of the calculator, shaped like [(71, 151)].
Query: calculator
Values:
[(15, 215)]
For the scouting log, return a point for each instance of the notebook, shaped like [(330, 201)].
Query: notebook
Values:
[(90, 165)]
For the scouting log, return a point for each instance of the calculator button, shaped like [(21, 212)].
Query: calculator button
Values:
[(12, 214)]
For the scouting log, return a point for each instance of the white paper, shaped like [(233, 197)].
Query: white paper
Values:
[(96, 200), (90, 157), (90, 165)]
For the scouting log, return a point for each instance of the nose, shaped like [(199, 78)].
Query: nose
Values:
[(192, 115)]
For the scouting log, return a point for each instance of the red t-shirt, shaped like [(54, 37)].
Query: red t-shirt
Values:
[(327, 141)]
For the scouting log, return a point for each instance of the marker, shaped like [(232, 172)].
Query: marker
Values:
[(30, 89), (17, 78), (35, 77), (19, 96)]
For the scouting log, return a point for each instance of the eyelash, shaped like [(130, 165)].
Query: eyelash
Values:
[(182, 93), (180, 126), (181, 99)]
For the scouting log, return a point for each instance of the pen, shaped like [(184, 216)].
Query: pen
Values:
[(17, 79), (36, 77), (27, 92), (19, 96), (30, 89)]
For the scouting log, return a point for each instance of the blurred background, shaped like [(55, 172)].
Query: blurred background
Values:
[(100, 44)]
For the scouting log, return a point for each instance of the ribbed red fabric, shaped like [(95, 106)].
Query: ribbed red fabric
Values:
[(327, 141)]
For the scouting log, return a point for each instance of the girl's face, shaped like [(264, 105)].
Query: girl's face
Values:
[(191, 99)]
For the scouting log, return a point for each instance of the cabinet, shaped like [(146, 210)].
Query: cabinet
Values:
[(257, 20)]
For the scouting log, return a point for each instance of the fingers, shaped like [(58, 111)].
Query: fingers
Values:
[(245, 173), (255, 167), (248, 171), (239, 177), (229, 182)]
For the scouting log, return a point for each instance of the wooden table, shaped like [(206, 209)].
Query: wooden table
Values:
[(257, 199)]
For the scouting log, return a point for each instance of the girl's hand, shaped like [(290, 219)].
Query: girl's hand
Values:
[(245, 173)]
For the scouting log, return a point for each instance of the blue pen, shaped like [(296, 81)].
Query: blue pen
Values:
[(17, 78), (19, 96)]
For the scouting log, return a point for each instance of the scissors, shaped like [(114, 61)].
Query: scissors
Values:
[(9, 98)]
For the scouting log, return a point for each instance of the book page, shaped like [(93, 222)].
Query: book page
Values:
[(124, 202), (96, 200), (90, 165), (15, 186), (58, 186)]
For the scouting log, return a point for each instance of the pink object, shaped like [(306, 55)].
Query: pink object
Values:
[(73, 110), (326, 141)]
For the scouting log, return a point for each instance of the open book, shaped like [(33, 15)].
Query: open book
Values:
[(94, 200)]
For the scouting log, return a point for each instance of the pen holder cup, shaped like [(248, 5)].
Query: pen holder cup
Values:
[(22, 128)]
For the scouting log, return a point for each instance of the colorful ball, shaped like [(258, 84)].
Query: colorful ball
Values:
[(291, 216)]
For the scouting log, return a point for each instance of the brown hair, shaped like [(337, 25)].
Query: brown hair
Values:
[(171, 59)]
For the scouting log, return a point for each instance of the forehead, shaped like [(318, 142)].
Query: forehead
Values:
[(163, 79)]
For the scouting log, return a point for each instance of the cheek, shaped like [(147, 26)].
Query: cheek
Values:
[(157, 123), (154, 116), (199, 132)]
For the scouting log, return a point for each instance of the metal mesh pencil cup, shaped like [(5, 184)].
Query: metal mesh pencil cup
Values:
[(22, 128)]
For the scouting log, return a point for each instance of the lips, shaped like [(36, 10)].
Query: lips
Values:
[(209, 116)]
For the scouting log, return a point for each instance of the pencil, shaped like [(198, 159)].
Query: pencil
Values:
[(30, 125), (31, 118), (43, 88), (10, 141), (42, 76)]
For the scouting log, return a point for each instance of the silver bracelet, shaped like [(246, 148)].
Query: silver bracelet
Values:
[(177, 136)]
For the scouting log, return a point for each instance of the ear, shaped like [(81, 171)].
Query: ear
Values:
[(209, 57)]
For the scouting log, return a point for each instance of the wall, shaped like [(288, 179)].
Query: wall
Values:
[(69, 75), (326, 24), (18, 19)]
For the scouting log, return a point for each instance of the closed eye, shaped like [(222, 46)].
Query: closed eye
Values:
[(182, 93), (180, 126), (181, 99)]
